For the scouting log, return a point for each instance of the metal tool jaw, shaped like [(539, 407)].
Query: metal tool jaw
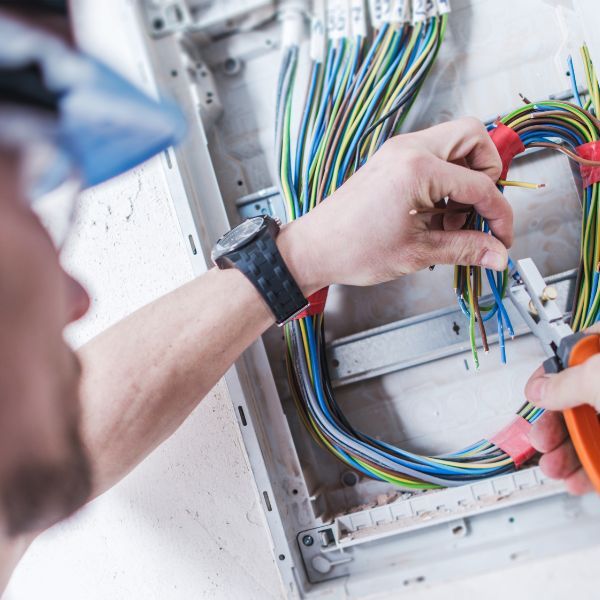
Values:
[(536, 304)]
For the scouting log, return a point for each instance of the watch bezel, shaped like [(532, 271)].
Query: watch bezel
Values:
[(219, 251)]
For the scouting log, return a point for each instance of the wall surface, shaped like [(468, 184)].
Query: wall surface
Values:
[(186, 524)]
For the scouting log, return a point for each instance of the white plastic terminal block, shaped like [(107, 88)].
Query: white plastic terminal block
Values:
[(401, 11), (338, 19), (443, 6), (419, 10), (317, 32), (358, 17), (292, 15), (376, 12)]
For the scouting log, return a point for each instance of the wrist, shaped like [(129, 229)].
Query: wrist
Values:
[(302, 256)]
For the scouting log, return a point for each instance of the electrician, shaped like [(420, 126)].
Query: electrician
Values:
[(72, 424)]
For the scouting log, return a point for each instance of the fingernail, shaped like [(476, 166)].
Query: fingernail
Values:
[(537, 390), (493, 260)]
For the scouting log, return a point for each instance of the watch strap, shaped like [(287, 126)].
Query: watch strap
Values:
[(264, 266)]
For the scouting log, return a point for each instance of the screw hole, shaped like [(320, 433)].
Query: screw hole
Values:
[(267, 501), (295, 492), (158, 24), (349, 478), (282, 557), (335, 363), (192, 245), (173, 73)]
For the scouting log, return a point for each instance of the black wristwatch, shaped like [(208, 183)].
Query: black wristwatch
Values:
[(251, 248)]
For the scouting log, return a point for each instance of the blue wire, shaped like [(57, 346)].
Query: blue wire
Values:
[(333, 64), (380, 88), (351, 79), (594, 291), (369, 58), (304, 125), (342, 69), (502, 314), (426, 466), (573, 79), (501, 341)]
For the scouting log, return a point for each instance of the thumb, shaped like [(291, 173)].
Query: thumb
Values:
[(569, 388), (464, 248)]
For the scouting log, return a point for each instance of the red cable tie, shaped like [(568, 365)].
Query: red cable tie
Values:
[(591, 151), (316, 304), (514, 440), (508, 143)]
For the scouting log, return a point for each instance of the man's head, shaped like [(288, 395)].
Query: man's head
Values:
[(44, 472), (66, 121)]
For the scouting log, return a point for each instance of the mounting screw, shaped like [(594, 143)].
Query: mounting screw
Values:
[(308, 540), (532, 309), (549, 293)]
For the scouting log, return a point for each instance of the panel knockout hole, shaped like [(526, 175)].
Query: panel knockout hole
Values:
[(349, 478)]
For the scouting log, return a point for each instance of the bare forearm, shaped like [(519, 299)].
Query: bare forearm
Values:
[(143, 376)]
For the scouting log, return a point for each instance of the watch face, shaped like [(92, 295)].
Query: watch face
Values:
[(240, 235)]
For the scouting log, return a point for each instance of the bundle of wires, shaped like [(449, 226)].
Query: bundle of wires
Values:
[(357, 96), (564, 127), (359, 93)]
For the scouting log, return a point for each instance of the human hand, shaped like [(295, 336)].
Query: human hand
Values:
[(364, 233), (567, 389)]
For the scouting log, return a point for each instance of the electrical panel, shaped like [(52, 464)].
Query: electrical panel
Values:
[(398, 353)]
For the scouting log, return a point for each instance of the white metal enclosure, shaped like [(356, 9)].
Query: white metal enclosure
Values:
[(335, 534)]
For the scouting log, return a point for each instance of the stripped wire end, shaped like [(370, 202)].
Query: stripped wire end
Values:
[(525, 99), (521, 184)]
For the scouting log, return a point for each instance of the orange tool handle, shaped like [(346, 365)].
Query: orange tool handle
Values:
[(582, 421)]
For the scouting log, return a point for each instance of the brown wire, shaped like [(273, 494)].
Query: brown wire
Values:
[(476, 292), (571, 155)]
